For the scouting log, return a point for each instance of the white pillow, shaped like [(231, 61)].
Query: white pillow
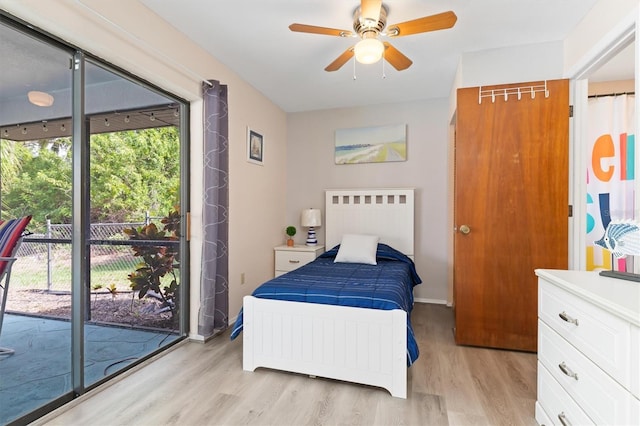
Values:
[(356, 248)]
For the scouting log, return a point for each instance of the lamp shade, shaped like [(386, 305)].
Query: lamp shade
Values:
[(311, 217), (40, 98)]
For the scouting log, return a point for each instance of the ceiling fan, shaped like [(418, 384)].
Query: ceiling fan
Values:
[(369, 23)]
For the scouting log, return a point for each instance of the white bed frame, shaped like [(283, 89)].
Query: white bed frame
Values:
[(366, 346)]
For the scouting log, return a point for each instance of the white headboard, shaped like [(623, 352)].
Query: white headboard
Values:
[(387, 213)]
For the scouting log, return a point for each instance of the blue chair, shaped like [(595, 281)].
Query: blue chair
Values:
[(11, 234)]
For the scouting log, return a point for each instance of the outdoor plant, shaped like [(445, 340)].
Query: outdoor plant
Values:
[(95, 289), (158, 262), (113, 290)]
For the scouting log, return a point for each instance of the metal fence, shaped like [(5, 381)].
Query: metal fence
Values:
[(45, 264)]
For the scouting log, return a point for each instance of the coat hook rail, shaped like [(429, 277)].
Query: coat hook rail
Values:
[(530, 90)]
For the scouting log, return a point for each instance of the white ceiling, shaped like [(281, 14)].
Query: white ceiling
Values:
[(252, 38)]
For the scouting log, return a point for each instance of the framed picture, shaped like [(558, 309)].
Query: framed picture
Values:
[(380, 144), (255, 147)]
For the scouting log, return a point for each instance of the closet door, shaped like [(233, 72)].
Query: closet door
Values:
[(511, 207)]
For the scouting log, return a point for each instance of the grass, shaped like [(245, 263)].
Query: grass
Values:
[(31, 273)]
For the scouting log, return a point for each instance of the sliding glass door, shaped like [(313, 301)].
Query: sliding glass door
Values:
[(97, 157), (134, 217), (36, 168)]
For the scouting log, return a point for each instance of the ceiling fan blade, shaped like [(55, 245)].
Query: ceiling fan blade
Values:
[(440, 21), (340, 60), (302, 28), (370, 9), (396, 58)]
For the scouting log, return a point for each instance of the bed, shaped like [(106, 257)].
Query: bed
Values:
[(321, 333)]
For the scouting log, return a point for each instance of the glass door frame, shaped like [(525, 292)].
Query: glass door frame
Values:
[(81, 244), (80, 249)]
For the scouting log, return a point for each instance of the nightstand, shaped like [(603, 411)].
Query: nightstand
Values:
[(289, 258)]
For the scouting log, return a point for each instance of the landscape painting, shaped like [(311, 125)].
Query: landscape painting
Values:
[(371, 144)]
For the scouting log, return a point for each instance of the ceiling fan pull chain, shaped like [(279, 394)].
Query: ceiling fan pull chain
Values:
[(383, 74), (354, 69)]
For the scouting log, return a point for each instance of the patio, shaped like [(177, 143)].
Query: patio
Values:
[(40, 369), (120, 327)]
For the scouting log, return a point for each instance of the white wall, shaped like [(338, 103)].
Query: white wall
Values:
[(158, 53), (513, 64), (601, 19), (311, 170)]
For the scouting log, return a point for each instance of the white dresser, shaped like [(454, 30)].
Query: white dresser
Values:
[(588, 349)]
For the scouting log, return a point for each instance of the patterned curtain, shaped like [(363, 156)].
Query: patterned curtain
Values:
[(610, 174), (214, 289)]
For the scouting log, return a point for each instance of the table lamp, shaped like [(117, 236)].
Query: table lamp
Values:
[(311, 218)]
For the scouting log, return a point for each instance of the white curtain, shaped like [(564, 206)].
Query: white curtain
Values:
[(610, 174)]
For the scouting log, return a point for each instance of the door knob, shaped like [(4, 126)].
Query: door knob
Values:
[(465, 229)]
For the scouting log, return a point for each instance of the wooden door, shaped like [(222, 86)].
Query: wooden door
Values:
[(511, 195)]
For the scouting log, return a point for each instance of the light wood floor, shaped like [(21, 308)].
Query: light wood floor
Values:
[(204, 384)]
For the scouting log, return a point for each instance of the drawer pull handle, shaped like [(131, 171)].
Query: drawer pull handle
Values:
[(567, 371), (563, 419), (294, 261), (567, 318)]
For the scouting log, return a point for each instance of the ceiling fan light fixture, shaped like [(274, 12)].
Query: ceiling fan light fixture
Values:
[(369, 23), (368, 50), (40, 98)]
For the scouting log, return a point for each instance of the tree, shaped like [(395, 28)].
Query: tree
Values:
[(42, 188), (131, 172), (10, 162)]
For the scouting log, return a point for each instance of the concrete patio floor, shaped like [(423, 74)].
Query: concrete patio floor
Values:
[(40, 369)]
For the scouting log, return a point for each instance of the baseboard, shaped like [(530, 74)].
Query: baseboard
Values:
[(431, 301), (198, 338)]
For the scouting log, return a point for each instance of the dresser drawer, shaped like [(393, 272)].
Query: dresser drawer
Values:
[(557, 403), (541, 416), (290, 260), (603, 399), (601, 336)]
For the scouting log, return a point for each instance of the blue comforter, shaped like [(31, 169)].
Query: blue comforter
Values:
[(387, 285)]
